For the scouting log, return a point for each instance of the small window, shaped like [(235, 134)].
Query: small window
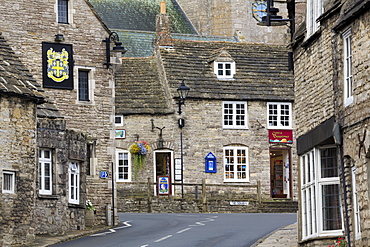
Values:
[(347, 64), (74, 183), (123, 166), (279, 115), (356, 208), (118, 120), (45, 172), (234, 115), (63, 11), (236, 164), (8, 182), (224, 70), (83, 85)]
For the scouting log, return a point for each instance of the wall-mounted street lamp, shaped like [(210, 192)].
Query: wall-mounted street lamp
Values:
[(183, 93), (59, 38), (113, 37), (272, 19)]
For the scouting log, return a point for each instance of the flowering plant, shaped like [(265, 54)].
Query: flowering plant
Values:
[(340, 242), (139, 150), (89, 205)]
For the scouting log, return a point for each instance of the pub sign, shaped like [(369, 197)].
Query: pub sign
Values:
[(57, 65), (281, 136)]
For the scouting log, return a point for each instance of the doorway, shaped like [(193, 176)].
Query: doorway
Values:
[(163, 166), (280, 172)]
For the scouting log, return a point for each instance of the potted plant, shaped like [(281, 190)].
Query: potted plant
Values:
[(89, 218)]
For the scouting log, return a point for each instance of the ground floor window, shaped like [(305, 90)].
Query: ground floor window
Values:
[(236, 164), (321, 198), (123, 166), (45, 172), (8, 185), (74, 182), (356, 209)]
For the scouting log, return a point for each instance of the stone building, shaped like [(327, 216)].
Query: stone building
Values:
[(63, 46), (19, 97), (331, 104), (235, 129)]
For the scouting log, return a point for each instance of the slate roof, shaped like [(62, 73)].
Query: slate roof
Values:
[(261, 71), (15, 79), (139, 15), (138, 88), (261, 74)]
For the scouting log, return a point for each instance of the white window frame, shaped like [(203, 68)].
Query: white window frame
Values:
[(70, 11), (120, 121), (356, 208), (231, 173), (347, 68), (8, 188), (279, 115), (235, 116), (74, 182), (314, 10), (311, 196), (223, 70), (43, 177), (120, 166), (91, 85)]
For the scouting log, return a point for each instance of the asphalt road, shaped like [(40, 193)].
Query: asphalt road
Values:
[(186, 230)]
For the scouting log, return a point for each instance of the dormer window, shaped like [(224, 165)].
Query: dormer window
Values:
[(225, 69), (223, 64)]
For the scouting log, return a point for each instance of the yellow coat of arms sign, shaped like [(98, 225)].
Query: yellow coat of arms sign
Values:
[(57, 65)]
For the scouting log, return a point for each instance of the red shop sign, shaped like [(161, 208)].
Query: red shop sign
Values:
[(280, 136)]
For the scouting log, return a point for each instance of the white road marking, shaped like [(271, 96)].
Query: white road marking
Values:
[(184, 230), (113, 230), (164, 238)]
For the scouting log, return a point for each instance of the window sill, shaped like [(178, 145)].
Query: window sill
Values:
[(71, 205), (311, 38), (48, 197)]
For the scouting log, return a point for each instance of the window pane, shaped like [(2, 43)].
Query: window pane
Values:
[(329, 166), (83, 85), (331, 207), (63, 11)]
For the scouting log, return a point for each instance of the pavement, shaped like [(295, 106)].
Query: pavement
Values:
[(284, 237)]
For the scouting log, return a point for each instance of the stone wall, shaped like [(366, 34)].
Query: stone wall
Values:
[(26, 24), (18, 150), (224, 18), (319, 86), (53, 214), (201, 135)]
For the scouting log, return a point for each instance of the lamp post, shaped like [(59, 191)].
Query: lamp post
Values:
[(183, 93)]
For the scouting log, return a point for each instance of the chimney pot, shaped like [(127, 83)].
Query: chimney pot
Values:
[(163, 7)]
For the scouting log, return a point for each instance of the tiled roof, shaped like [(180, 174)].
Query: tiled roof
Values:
[(261, 74), (138, 88), (261, 71), (140, 43), (139, 15), (15, 79)]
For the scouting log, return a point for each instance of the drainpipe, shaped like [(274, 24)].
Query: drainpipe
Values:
[(338, 141)]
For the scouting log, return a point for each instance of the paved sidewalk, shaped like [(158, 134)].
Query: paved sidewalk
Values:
[(286, 236), (47, 240)]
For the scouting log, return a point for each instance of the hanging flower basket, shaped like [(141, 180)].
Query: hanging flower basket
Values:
[(139, 149)]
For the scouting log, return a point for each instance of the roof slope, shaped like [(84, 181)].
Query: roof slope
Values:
[(261, 71), (139, 15), (138, 88), (261, 74), (15, 79)]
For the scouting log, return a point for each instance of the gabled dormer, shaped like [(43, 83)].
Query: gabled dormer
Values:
[(223, 64)]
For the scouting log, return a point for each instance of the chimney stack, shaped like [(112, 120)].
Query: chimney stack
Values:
[(163, 28)]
